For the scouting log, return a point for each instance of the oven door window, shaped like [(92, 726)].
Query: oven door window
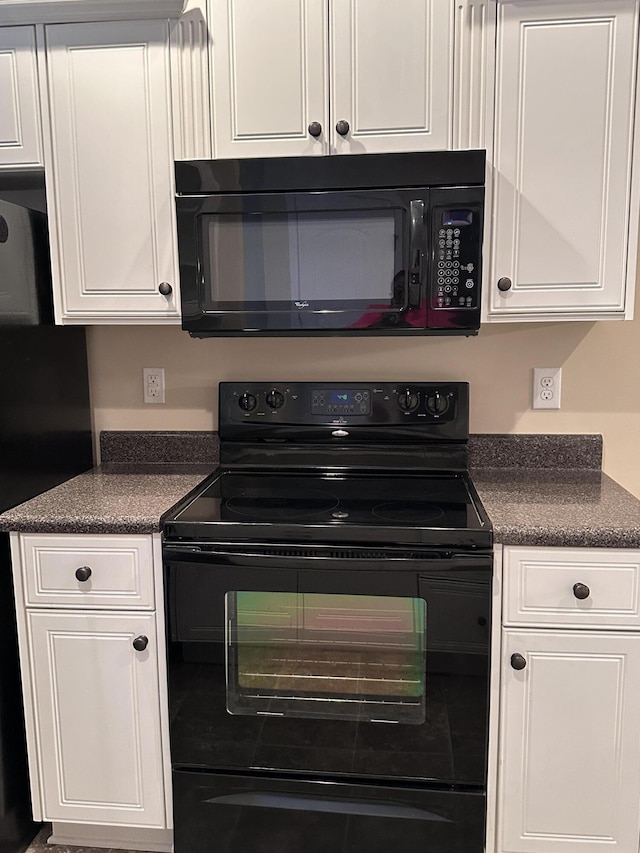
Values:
[(308, 255), (350, 657)]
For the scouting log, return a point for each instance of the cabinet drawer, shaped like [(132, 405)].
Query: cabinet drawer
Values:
[(572, 586), (118, 571)]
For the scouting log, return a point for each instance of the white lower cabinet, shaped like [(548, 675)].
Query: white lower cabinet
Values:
[(97, 720), (569, 741), (94, 680), (570, 747)]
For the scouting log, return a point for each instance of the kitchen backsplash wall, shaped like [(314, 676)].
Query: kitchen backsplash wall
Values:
[(600, 376)]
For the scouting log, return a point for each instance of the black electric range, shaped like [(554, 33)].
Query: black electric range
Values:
[(329, 613)]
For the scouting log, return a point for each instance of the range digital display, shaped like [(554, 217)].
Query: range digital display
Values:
[(340, 401)]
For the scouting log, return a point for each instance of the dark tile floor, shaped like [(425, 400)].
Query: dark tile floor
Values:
[(39, 845)]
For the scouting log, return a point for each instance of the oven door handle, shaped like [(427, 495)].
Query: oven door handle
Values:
[(327, 558)]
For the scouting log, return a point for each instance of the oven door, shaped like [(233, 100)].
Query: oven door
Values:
[(335, 661), (314, 261)]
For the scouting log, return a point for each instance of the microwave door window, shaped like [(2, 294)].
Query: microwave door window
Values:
[(303, 261)]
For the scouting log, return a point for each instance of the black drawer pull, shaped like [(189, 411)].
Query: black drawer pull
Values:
[(581, 591), (140, 643), (83, 573)]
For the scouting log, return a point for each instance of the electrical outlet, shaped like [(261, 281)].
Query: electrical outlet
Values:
[(547, 385), (153, 384)]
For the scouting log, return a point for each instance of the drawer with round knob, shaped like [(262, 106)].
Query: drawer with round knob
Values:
[(571, 587), (114, 572)]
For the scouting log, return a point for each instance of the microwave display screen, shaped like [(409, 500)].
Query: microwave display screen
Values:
[(456, 218), (318, 260)]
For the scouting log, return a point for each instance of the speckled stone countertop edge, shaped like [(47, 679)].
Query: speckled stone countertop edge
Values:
[(130, 498)]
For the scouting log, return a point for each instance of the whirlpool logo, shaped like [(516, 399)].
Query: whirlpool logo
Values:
[(302, 304)]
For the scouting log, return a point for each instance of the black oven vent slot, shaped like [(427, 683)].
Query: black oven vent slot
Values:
[(298, 551)]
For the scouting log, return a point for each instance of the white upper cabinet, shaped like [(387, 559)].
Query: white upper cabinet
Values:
[(331, 76), (565, 219), (110, 172), (20, 135), (270, 80), (391, 75)]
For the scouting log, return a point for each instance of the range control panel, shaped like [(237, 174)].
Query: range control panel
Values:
[(334, 404)]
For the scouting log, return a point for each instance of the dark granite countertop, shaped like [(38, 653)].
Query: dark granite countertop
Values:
[(105, 501), (537, 490), (570, 507)]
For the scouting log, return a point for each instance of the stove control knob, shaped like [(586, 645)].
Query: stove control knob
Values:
[(437, 403), (275, 399), (247, 402), (408, 401)]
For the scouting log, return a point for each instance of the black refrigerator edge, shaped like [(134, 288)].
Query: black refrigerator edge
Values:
[(45, 438)]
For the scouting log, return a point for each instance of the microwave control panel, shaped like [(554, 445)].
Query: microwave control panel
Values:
[(456, 239)]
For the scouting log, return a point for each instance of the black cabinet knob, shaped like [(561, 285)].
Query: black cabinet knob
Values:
[(140, 643), (504, 284), (165, 288), (581, 591), (342, 127), (518, 661), (315, 129), (83, 573)]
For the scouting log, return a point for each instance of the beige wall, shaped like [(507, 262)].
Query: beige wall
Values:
[(600, 362)]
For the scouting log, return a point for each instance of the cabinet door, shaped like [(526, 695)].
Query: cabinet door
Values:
[(97, 717), (111, 175), (570, 753), (565, 90), (391, 75), (19, 102), (269, 77)]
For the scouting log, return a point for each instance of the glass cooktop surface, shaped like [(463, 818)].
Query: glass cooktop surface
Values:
[(409, 502)]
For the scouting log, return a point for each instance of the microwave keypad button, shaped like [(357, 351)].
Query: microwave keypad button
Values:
[(442, 232), (469, 283), (456, 232)]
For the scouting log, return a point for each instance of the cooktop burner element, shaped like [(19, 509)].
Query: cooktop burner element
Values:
[(261, 503), (408, 512)]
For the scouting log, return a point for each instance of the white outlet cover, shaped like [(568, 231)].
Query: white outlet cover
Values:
[(153, 384), (547, 388)]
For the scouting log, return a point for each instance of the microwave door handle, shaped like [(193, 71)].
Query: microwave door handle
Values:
[(416, 253)]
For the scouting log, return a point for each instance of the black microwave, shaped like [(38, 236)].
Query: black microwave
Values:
[(339, 245)]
